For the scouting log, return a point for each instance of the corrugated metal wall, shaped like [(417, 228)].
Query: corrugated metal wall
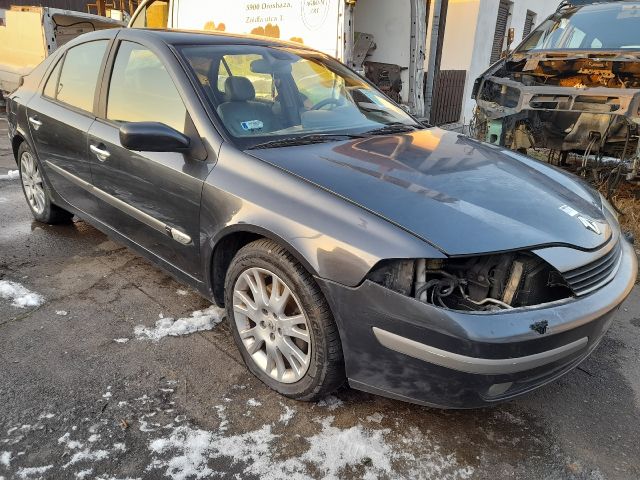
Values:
[(78, 5)]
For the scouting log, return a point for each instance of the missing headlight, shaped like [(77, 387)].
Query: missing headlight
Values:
[(481, 283)]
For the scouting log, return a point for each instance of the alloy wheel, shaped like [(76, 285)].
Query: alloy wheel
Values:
[(32, 182), (272, 325)]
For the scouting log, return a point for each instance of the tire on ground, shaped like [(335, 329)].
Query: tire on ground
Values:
[(325, 373), (51, 214)]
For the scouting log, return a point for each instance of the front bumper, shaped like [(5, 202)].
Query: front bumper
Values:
[(399, 347), (600, 100)]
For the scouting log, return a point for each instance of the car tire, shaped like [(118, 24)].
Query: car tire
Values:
[(270, 323), (36, 191)]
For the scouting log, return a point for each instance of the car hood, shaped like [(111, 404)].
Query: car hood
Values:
[(460, 195)]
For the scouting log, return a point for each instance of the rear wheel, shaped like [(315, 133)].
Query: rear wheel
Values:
[(35, 190), (281, 323)]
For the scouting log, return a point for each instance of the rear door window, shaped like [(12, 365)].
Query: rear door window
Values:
[(79, 75), (141, 89)]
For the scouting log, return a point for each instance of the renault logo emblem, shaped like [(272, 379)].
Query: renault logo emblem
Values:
[(589, 224)]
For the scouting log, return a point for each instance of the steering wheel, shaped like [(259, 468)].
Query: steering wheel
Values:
[(328, 101)]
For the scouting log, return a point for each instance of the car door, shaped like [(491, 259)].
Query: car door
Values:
[(153, 198), (60, 116)]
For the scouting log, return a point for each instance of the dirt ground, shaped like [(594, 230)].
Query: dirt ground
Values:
[(83, 396)]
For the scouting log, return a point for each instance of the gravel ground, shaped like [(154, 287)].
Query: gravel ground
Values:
[(77, 400)]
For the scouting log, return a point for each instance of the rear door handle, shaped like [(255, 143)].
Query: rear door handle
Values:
[(101, 153), (35, 122)]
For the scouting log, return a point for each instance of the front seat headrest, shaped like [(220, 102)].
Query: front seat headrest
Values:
[(238, 89)]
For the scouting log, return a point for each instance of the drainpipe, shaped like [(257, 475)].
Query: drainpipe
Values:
[(433, 54)]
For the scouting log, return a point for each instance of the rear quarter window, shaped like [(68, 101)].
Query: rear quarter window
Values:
[(51, 87)]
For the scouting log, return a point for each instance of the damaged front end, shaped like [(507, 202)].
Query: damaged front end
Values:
[(572, 86), (484, 283), (561, 103)]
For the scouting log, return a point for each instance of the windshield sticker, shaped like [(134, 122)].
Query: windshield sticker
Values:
[(568, 210), (251, 125)]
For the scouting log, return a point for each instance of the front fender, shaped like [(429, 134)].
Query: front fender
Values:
[(334, 239)]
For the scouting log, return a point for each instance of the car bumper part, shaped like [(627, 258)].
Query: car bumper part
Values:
[(399, 347), (611, 101)]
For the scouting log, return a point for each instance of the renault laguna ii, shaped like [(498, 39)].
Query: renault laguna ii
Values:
[(346, 240)]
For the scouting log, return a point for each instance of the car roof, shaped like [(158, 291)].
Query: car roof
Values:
[(200, 37)]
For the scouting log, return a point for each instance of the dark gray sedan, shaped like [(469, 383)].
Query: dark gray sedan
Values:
[(347, 241)]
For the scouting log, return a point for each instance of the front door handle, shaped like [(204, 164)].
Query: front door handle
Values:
[(101, 153), (35, 122)]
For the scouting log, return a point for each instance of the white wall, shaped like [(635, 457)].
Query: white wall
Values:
[(390, 24), (543, 8), (469, 36), (459, 34)]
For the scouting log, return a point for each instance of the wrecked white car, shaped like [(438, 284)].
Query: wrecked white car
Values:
[(573, 85)]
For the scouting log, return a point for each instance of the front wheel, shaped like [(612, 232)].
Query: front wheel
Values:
[(282, 324), (35, 190)]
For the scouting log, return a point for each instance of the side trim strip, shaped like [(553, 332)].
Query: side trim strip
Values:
[(481, 366), (139, 215)]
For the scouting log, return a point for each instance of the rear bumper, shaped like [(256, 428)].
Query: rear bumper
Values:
[(402, 348)]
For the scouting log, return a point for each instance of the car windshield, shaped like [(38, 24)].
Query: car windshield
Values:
[(272, 95), (599, 27)]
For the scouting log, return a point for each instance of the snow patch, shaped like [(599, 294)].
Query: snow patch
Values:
[(62, 313), (83, 473), (5, 458), (70, 444), (375, 418), (252, 402), (182, 293), (33, 472), (331, 402), (198, 321), (87, 455), (105, 477), (333, 450), (10, 175), (121, 340), (287, 415), (20, 296), (191, 453), (192, 448)]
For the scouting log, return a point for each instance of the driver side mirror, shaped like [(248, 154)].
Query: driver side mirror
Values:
[(152, 137)]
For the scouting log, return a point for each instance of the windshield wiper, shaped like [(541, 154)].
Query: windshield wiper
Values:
[(305, 140), (393, 128)]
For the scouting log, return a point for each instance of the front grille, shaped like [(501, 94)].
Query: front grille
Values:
[(589, 277)]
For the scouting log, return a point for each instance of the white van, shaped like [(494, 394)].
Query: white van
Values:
[(385, 40), (29, 34)]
